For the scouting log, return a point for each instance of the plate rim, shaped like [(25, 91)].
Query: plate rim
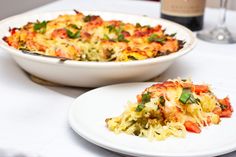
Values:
[(112, 147)]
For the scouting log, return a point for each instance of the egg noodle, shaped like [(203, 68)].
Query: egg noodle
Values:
[(171, 108)]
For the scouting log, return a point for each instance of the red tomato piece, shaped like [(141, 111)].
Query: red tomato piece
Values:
[(200, 88), (192, 127)]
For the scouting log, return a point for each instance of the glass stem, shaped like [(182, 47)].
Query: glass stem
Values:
[(223, 8)]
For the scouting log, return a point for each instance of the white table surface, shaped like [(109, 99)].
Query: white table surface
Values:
[(33, 118)]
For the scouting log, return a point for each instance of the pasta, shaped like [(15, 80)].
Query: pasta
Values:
[(171, 108)]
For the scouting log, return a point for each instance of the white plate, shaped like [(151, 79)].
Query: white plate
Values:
[(94, 74), (88, 113)]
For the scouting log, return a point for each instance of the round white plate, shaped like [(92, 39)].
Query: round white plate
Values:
[(88, 113)]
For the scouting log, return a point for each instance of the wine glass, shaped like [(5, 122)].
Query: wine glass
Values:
[(219, 34)]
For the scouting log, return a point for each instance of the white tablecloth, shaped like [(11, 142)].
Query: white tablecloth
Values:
[(33, 118)]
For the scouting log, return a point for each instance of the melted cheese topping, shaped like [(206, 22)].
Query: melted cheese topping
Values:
[(90, 38)]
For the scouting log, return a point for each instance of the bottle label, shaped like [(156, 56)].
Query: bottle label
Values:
[(184, 8)]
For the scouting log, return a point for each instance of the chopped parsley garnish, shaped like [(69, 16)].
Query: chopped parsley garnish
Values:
[(74, 26), (146, 26), (156, 38), (138, 25), (173, 35), (162, 101), (73, 35), (106, 37), (114, 29), (40, 27), (139, 107), (111, 28), (132, 58), (192, 99), (198, 101), (146, 97), (121, 38), (118, 32), (223, 107), (24, 49), (87, 18), (187, 97)]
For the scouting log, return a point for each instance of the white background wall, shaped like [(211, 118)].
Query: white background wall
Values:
[(12, 7)]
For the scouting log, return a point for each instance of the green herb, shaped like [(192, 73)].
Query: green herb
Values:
[(132, 58), (192, 99), (157, 133), (162, 101), (223, 107), (73, 35), (146, 97), (24, 49), (87, 18), (118, 30), (173, 34), (136, 132), (156, 38), (106, 37), (121, 38), (139, 107), (74, 26), (22, 43), (187, 97), (138, 25), (111, 28), (40, 27), (198, 101), (184, 97), (146, 26)]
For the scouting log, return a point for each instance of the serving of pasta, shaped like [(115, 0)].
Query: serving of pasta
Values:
[(171, 108)]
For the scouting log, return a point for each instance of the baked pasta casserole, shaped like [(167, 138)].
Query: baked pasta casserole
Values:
[(90, 38)]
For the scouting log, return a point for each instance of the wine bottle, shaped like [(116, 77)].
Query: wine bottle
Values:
[(186, 12)]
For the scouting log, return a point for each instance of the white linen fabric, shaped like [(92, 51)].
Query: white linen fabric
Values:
[(33, 118)]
